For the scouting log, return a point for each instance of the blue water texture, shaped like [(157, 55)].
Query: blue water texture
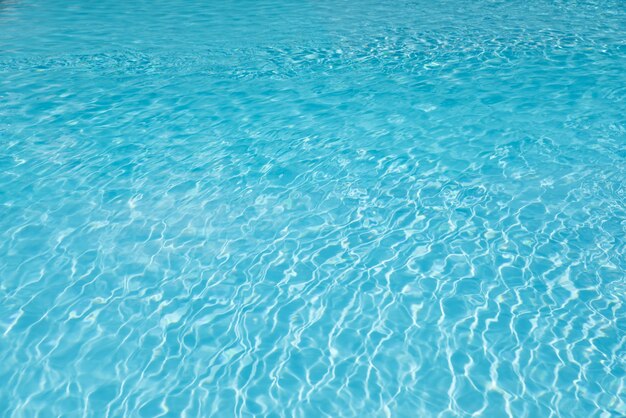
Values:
[(294, 208)]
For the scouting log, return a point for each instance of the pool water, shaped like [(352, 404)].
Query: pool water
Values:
[(312, 208)]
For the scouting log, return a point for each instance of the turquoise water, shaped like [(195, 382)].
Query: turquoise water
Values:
[(331, 208)]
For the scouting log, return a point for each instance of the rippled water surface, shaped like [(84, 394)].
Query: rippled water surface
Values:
[(312, 208)]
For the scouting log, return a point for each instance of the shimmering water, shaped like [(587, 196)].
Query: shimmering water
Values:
[(330, 208)]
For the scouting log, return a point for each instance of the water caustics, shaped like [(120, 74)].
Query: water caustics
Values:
[(312, 208)]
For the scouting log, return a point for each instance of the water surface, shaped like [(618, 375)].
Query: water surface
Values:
[(297, 208)]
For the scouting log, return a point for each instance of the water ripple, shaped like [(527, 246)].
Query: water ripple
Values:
[(325, 209)]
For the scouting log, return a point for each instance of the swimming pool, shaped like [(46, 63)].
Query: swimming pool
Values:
[(297, 208)]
